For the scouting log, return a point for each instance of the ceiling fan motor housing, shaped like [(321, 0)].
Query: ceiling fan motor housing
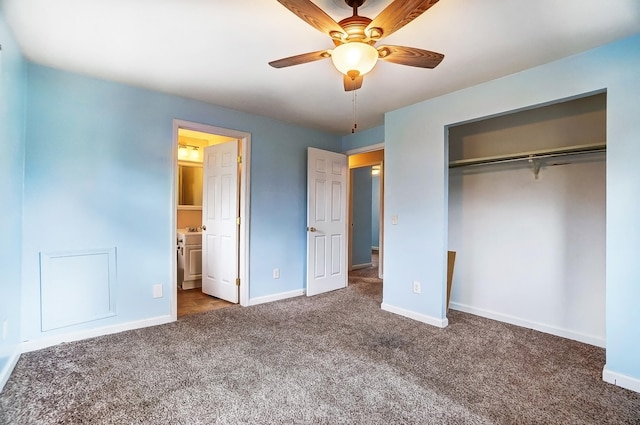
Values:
[(354, 27)]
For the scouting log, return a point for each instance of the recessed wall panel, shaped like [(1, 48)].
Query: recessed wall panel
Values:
[(77, 287)]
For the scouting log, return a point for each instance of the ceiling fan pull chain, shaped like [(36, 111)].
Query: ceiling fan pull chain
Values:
[(355, 111)]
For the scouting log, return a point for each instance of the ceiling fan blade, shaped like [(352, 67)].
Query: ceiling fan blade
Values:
[(352, 84), (314, 16), (410, 56), (300, 59), (397, 15)]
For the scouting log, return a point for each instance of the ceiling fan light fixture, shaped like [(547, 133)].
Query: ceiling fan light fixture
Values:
[(354, 59)]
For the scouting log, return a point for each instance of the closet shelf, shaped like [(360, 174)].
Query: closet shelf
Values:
[(531, 155)]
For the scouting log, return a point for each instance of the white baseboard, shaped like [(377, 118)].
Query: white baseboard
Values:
[(5, 373), (276, 297), (361, 266), (553, 330), (621, 380), (434, 321), (38, 344)]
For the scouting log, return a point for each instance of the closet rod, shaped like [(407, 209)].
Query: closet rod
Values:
[(525, 156)]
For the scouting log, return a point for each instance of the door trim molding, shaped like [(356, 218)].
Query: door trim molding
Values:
[(369, 148), (349, 153), (245, 190)]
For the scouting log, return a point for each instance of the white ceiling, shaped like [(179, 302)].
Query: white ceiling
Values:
[(217, 50)]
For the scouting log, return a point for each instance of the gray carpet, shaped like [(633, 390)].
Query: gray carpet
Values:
[(334, 358)]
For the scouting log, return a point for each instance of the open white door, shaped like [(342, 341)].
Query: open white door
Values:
[(220, 205), (326, 221)]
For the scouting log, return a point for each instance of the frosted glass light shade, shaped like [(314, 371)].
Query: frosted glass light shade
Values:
[(183, 152), (354, 56)]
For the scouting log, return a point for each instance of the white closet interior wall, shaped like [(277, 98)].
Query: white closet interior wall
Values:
[(532, 251)]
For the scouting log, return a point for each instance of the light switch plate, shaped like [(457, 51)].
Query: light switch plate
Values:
[(157, 291)]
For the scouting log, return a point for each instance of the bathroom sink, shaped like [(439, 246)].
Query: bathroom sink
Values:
[(189, 238)]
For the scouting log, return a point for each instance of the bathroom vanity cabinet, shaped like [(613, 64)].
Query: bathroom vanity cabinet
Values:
[(189, 246)]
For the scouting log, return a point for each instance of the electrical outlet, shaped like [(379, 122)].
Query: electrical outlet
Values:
[(157, 291), (276, 273), (416, 287), (5, 329)]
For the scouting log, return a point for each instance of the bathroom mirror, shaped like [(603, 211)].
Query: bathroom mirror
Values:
[(189, 186)]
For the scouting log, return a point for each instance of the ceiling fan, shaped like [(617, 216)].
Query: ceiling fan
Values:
[(355, 37)]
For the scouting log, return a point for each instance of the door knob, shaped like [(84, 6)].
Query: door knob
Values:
[(311, 229), (204, 227)]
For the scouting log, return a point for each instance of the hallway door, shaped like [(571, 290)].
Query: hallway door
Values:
[(326, 221)]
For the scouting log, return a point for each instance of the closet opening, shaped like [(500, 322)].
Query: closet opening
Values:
[(526, 216)]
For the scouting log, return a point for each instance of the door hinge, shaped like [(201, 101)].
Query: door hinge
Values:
[(238, 221), (238, 281), (239, 159)]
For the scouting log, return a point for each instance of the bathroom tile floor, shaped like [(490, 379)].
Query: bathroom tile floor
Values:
[(192, 301)]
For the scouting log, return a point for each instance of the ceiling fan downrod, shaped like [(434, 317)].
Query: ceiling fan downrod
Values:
[(354, 4)]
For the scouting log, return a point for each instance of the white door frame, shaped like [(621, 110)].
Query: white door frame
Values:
[(245, 190), (365, 149)]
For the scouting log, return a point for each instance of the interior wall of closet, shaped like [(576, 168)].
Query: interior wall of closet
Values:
[(527, 218)]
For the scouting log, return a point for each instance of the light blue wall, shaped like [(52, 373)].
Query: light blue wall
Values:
[(279, 203), (375, 210), (12, 121), (99, 175), (364, 138), (361, 219), (416, 182)]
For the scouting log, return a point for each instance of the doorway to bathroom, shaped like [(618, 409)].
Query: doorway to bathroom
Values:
[(210, 217)]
